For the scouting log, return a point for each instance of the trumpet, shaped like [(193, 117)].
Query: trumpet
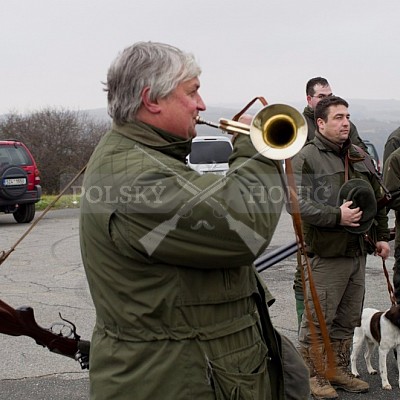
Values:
[(277, 131)]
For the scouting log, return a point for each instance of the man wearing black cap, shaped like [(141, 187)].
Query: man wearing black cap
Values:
[(338, 202)]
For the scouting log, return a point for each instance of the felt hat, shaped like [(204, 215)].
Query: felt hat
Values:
[(360, 192)]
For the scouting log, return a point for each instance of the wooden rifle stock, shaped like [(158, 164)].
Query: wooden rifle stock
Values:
[(21, 322)]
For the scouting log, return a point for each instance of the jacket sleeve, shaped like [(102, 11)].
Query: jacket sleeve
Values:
[(204, 220), (381, 218), (391, 179), (392, 144)]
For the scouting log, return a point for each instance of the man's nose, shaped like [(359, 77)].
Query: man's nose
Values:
[(200, 104)]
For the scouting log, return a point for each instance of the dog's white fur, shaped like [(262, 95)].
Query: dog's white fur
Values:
[(389, 334)]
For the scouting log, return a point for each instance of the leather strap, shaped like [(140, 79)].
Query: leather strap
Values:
[(346, 167), (329, 372), (371, 168), (291, 195), (248, 105)]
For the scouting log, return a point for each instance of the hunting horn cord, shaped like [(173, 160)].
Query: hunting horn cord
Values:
[(4, 254), (293, 201), (329, 372)]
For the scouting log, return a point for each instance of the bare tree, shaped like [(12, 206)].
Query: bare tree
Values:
[(61, 141)]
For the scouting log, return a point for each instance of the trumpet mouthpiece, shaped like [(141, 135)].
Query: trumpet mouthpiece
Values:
[(201, 121)]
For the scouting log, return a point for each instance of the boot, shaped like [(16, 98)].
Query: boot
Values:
[(343, 378), (319, 385)]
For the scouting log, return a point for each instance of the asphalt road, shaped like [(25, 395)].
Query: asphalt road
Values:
[(45, 272)]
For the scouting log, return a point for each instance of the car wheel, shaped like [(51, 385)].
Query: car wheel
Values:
[(13, 182), (25, 213)]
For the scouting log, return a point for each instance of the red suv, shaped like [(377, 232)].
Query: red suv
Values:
[(19, 181)]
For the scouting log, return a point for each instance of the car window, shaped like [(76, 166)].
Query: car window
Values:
[(210, 152), (14, 155), (371, 150), (374, 154)]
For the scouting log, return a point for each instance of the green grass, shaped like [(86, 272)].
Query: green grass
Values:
[(65, 201)]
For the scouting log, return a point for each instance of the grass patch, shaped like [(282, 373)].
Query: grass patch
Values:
[(65, 201)]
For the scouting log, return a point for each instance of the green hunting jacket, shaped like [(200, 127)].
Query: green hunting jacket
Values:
[(171, 274), (391, 179), (320, 172), (392, 144), (312, 127)]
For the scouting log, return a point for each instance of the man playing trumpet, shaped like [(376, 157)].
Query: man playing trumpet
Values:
[(181, 312)]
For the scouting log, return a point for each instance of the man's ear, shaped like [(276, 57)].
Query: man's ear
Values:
[(320, 123), (152, 106)]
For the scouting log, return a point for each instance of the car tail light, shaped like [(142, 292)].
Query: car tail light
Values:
[(37, 177)]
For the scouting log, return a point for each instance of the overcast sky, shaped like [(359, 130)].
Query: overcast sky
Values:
[(55, 53)]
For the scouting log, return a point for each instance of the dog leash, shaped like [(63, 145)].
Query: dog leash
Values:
[(387, 197), (389, 285)]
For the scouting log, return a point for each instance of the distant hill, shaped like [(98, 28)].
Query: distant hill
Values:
[(375, 119)]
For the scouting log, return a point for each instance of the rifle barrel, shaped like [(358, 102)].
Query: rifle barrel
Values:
[(273, 257)]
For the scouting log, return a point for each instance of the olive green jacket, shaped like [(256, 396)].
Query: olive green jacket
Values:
[(312, 127), (392, 144), (391, 179), (168, 255), (320, 172)]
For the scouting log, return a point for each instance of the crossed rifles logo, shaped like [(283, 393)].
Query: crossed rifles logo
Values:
[(152, 239)]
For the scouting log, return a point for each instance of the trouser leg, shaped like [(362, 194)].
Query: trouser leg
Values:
[(340, 286), (298, 290)]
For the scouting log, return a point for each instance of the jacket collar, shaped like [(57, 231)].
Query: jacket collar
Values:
[(324, 143), (155, 138), (309, 112)]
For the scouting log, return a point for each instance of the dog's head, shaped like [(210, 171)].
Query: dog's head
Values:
[(393, 315)]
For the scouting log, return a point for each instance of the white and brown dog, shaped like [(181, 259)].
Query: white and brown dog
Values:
[(378, 328)]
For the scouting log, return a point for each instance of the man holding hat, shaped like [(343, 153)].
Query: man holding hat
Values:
[(338, 202)]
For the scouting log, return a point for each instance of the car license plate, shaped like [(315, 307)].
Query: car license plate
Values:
[(14, 181)]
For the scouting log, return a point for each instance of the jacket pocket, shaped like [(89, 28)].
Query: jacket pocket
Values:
[(241, 375)]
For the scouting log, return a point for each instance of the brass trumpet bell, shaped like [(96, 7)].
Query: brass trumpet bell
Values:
[(278, 131)]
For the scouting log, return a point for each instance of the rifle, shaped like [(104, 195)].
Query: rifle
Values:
[(268, 260), (21, 322)]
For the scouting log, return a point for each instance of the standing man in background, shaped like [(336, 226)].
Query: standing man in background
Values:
[(316, 89), (338, 197)]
